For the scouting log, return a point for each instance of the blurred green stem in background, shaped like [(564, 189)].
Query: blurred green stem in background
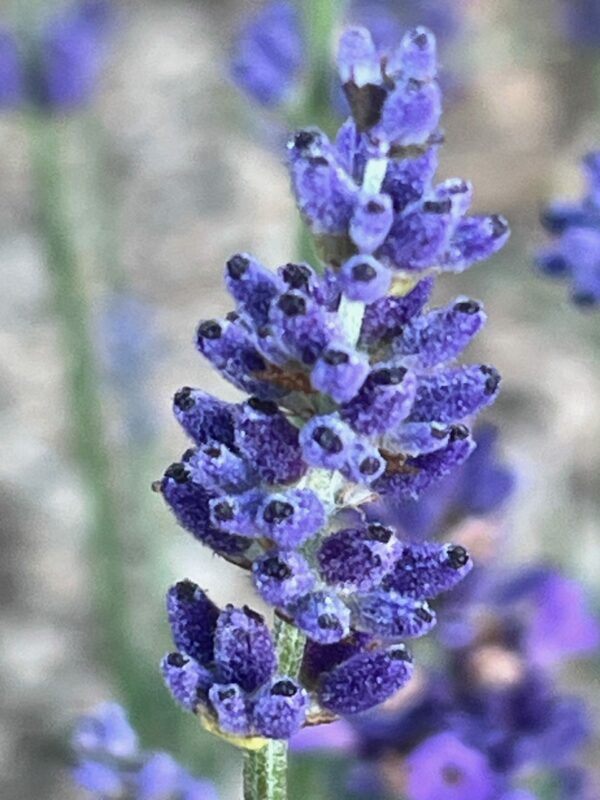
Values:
[(134, 677), (89, 440)]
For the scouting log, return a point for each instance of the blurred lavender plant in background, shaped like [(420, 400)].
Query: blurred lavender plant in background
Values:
[(574, 254), (111, 764), (56, 65), (486, 719)]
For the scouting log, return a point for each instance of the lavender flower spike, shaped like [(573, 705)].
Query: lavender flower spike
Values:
[(357, 393)]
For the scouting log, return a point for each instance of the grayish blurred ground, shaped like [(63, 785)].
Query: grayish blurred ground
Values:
[(192, 185)]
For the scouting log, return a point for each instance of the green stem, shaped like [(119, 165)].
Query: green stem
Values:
[(108, 583), (320, 19), (265, 772)]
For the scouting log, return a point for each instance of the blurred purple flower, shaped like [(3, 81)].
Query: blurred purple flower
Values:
[(102, 780), (444, 768), (268, 54), (105, 731), (72, 52), (58, 68), (561, 626), (11, 71), (574, 254), (338, 735), (110, 763)]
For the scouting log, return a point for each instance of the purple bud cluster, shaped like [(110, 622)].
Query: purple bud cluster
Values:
[(59, 69), (225, 668), (111, 764), (574, 254), (355, 394)]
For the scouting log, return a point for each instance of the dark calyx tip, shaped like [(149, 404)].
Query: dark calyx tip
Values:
[(186, 590), (438, 206), (499, 226), (327, 440), (267, 407), (420, 39), (277, 511), (388, 376), (296, 275), (273, 567), (328, 622), (210, 329), (424, 614), (177, 472), (292, 305), (364, 273), (335, 357), (400, 653), (226, 694), (373, 207), (492, 380), (467, 307), (237, 266), (458, 433), (284, 688), (458, 556), (369, 465), (183, 399), (304, 139), (379, 533), (224, 511), (176, 660)]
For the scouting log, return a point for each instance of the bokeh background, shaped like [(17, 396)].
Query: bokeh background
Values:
[(167, 172)]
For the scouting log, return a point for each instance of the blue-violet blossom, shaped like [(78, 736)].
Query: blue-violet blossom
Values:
[(355, 393)]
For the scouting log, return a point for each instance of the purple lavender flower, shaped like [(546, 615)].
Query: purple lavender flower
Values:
[(444, 768), (225, 669), (574, 254), (356, 394), (110, 763), (62, 70), (72, 52)]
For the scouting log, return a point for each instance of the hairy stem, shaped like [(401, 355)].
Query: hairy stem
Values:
[(265, 772)]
